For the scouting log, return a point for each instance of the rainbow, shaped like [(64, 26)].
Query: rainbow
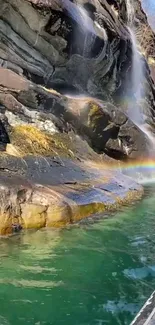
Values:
[(145, 164), (143, 171)]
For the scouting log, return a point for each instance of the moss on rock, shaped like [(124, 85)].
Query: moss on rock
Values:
[(29, 140)]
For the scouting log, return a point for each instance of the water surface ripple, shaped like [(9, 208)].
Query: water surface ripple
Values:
[(90, 274)]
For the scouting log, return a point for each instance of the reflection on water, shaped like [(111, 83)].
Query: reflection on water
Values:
[(140, 273), (89, 274), (116, 307)]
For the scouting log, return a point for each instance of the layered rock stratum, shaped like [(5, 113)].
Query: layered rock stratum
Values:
[(65, 84)]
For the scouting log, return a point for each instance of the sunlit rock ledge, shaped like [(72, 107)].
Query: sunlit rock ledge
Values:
[(38, 192), (50, 178), (55, 162)]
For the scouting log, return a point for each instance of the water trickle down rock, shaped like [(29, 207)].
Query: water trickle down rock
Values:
[(39, 50), (136, 111), (45, 51)]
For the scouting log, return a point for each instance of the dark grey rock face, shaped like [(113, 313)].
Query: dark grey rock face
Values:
[(58, 46), (105, 127), (77, 47), (80, 47)]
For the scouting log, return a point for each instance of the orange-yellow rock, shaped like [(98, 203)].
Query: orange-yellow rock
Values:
[(58, 215), (33, 215)]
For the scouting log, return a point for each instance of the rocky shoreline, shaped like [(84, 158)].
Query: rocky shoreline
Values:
[(51, 173), (50, 193), (64, 92)]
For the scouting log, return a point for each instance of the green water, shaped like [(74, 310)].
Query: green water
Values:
[(96, 273)]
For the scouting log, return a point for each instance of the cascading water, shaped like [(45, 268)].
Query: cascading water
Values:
[(135, 111), (130, 12), (89, 28), (137, 73), (92, 30), (92, 33), (79, 15)]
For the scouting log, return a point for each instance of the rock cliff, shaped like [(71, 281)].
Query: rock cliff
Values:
[(77, 48), (65, 82)]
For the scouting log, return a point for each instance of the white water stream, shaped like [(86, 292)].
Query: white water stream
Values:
[(135, 110)]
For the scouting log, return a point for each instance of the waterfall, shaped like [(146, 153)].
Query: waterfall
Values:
[(79, 15), (89, 28), (135, 110), (137, 74), (130, 12), (90, 34)]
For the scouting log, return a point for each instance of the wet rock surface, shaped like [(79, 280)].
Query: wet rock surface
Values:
[(47, 193), (65, 80), (76, 47), (104, 126)]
